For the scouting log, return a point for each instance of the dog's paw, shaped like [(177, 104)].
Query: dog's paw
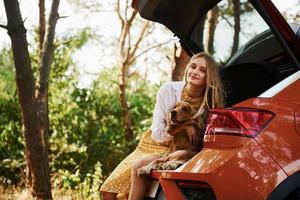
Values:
[(173, 164), (144, 171)]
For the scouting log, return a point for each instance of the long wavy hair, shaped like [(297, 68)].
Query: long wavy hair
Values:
[(214, 93)]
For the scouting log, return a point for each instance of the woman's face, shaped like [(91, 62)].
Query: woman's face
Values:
[(196, 72)]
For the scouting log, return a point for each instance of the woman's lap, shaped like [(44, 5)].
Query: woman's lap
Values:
[(119, 180)]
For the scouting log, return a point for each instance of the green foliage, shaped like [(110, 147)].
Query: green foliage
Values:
[(11, 142), (65, 47), (90, 119), (7, 75), (89, 188), (11, 139), (81, 188), (85, 123)]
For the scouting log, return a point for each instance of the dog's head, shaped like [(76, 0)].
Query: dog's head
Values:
[(182, 112)]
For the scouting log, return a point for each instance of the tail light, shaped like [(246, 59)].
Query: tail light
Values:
[(238, 121)]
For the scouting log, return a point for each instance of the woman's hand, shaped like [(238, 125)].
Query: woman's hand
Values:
[(179, 155), (193, 135)]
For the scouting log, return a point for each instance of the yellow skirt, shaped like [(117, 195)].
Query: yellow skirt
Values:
[(119, 180)]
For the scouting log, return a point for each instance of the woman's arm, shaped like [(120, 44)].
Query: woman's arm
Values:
[(165, 100)]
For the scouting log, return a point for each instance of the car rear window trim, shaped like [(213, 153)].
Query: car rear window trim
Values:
[(281, 85)]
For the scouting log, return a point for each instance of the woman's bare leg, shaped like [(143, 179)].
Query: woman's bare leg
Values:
[(108, 196), (138, 184)]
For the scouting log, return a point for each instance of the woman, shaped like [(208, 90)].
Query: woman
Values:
[(202, 88)]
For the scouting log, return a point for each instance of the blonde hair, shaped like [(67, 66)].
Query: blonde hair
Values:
[(213, 94)]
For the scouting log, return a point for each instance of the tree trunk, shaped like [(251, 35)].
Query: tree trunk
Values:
[(212, 20), (127, 52), (181, 61), (124, 56), (33, 102), (237, 26), (41, 23), (127, 118)]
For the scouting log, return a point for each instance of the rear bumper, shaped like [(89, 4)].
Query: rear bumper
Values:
[(241, 171)]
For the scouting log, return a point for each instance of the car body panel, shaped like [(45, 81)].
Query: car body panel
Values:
[(224, 165), (290, 93), (297, 122), (282, 145)]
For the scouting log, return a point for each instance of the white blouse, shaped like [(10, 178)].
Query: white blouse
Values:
[(168, 95)]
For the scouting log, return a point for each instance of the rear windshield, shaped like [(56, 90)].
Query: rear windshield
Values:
[(225, 43), (251, 58)]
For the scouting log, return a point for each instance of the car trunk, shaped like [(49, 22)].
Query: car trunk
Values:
[(252, 70)]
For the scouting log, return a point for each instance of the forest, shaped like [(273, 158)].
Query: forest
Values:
[(64, 129)]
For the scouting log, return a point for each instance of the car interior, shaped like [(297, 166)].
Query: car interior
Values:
[(269, 65)]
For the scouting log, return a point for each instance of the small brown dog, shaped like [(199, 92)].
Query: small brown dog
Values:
[(183, 114)]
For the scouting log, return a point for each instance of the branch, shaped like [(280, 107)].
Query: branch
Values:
[(133, 14), (41, 23), (47, 52), (230, 24), (128, 27), (146, 50), (119, 13), (17, 27), (24, 74), (63, 16), (3, 26), (124, 33), (129, 45), (133, 74), (129, 23), (139, 40), (126, 9)]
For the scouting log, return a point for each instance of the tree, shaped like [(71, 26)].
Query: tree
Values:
[(181, 61), (237, 26), (235, 9), (129, 49), (212, 21), (33, 97), (127, 52), (42, 22)]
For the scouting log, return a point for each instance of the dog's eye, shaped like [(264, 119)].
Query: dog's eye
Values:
[(185, 109)]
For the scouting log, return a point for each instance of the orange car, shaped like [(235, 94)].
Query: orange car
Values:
[(251, 148)]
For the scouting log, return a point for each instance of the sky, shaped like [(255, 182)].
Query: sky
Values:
[(91, 57)]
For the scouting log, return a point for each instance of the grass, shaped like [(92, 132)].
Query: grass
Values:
[(15, 193)]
